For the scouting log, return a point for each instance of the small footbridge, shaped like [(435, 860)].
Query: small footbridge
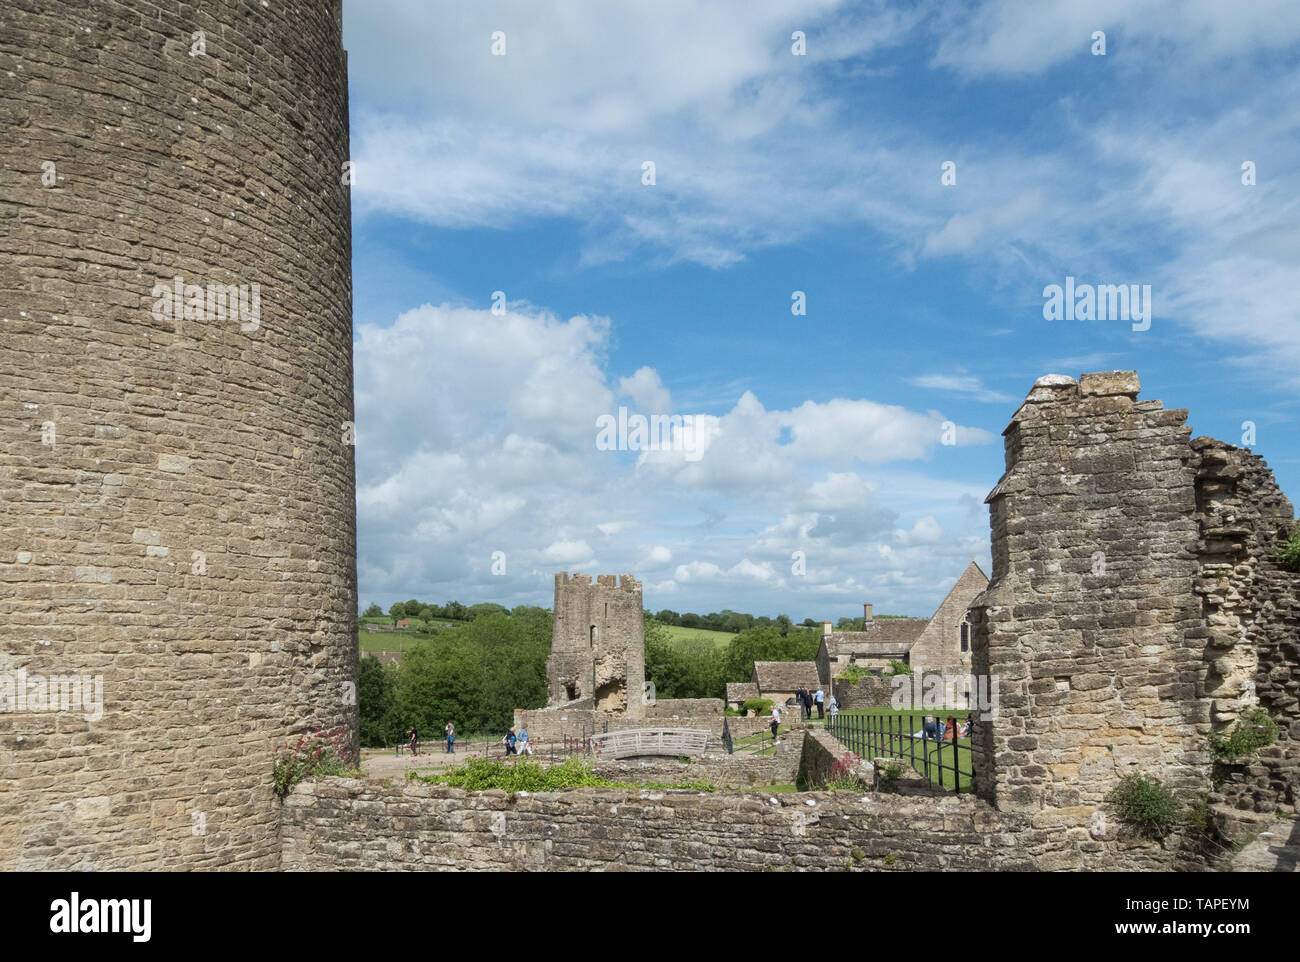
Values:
[(650, 741)]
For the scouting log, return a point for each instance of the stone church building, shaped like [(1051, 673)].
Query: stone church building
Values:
[(940, 643)]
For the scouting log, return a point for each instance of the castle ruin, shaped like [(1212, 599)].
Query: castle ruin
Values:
[(597, 656)]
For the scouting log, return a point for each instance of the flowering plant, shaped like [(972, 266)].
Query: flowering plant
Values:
[(316, 755)]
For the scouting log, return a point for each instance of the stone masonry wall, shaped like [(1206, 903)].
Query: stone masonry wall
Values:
[(177, 508), (354, 825), (1135, 606), (548, 725), (938, 649), (738, 771), (598, 644), (1251, 619), (869, 691)]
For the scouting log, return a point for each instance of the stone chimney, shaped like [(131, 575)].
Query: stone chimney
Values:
[(866, 614), (826, 628)]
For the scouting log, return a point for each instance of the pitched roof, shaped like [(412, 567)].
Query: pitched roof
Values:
[(972, 581), (883, 637), (777, 676), (741, 690)]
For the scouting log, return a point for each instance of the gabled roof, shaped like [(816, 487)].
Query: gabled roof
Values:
[(972, 581), (884, 636), (778, 676)]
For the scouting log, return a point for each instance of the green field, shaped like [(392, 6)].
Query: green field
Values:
[(719, 638), (396, 640)]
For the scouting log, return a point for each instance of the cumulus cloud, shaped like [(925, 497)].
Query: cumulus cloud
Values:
[(476, 434)]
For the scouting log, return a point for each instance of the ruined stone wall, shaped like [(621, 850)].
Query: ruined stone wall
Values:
[(1251, 614), (666, 709), (868, 691), (177, 508), (553, 724), (598, 644), (738, 771), (344, 825), (1090, 620)]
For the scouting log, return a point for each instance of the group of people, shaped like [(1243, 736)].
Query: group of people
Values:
[(933, 730), (449, 733), (517, 744), (808, 699)]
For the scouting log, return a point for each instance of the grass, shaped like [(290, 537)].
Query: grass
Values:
[(398, 640), (905, 746), (677, 633)]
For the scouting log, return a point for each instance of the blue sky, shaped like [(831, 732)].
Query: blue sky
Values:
[(776, 173)]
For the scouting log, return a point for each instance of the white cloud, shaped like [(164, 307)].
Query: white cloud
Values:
[(961, 384), (647, 392), (477, 434), (1028, 36)]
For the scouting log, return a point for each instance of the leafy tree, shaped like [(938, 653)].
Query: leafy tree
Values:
[(690, 620), (397, 611), (486, 608), (783, 624), (374, 611), (668, 617), (377, 706), (412, 608), (766, 644)]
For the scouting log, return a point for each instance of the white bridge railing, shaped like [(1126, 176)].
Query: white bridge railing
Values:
[(650, 741)]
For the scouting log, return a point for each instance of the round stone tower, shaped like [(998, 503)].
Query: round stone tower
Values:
[(177, 495)]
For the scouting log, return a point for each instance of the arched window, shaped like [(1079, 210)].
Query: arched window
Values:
[(965, 636)]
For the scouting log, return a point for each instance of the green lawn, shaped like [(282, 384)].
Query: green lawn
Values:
[(719, 638), (916, 750)]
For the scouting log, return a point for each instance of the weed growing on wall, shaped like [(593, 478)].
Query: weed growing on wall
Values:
[(1254, 729), (317, 755), (1147, 804), (1288, 551)]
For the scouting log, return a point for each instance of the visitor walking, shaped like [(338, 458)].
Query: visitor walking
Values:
[(776, 720), (509, 742), (521, 742), (414, 740), (451, 738), (820, 698)]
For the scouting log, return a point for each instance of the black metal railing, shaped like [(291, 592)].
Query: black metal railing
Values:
[(937, 746)]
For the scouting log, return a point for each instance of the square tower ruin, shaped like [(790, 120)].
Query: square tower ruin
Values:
[(598, 645)]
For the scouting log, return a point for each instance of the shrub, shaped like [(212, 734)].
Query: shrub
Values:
[(316, 755), (1146, 803), (1254, 729), (891, 772), (1288, 551), (759, 706), (852, 673), (896, 667)]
